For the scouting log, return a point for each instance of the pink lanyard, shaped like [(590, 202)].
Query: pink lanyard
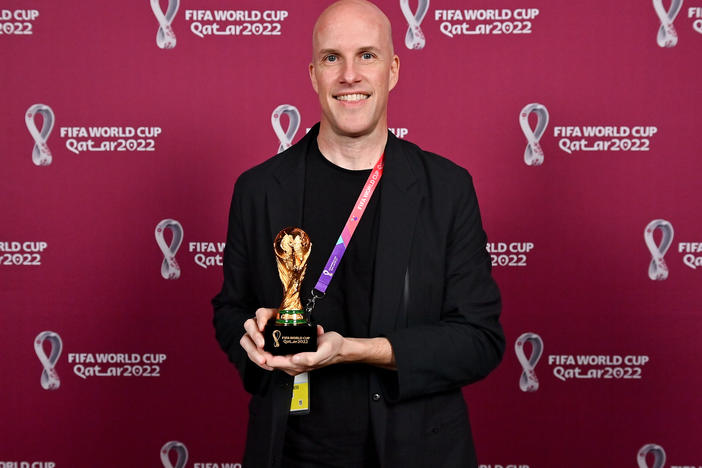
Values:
[(346, 234)]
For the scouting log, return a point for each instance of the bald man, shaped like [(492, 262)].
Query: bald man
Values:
[(411, 314)]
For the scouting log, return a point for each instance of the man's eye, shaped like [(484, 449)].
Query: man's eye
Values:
[(367, 56), (330, 58)]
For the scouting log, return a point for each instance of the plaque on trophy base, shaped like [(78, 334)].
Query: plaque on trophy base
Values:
[(289, 339)]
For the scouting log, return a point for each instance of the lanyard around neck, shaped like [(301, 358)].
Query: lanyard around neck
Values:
[(346, 234)]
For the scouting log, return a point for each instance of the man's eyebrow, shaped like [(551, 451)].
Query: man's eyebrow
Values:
[(327, 51), (360, 49)]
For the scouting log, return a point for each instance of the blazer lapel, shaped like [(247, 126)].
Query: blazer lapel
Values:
[(285, 196), (399, 204)]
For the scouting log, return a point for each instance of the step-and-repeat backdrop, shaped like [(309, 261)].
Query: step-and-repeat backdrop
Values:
[(125, 125)]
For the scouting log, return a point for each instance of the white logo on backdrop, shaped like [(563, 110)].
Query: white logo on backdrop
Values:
[(41, 154), (285, 136), (657, 269), (165, 37), (533, 154), (528, 381), (414, 38), (667, 36), (169, 266), (181, 451), (658, 453), (49, 377)]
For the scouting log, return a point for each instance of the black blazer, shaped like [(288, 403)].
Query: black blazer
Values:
[(435, 301)]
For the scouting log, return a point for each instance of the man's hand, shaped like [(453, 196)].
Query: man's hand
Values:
[(332, 348), (328, 352), (253, 341)]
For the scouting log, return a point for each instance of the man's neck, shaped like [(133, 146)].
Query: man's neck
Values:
[(354, 153)]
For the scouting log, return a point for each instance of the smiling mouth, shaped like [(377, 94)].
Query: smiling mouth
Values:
[(352, 97)]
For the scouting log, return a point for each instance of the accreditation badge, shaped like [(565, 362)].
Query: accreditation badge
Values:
[(300, 402)]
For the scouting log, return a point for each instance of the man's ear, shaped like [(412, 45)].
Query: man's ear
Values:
[(394, 72), (313, 78)]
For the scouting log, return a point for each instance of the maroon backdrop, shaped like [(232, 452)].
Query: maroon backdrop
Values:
[(143, 133)]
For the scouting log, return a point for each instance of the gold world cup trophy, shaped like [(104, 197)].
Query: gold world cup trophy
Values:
[(290, 332)]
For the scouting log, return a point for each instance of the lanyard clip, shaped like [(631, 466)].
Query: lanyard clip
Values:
[(314, 295)]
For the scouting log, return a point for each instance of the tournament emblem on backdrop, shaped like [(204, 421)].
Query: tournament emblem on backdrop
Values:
[(414, 38), (49, 378), (285, 136), (533, 154), (657, 269), (667, 36), (165, 37), (658, 454), (528, 382), (169, 266), (181, 451), (41, 154)]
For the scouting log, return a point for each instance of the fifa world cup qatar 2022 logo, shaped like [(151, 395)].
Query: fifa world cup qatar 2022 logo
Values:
[(528, 381), (533, 154), (165, 37), (658, 456), (49, 377), (657, 269), (169, 266), (414, 38), (285, 136), (181, 451), (667, 36), (41, 154)]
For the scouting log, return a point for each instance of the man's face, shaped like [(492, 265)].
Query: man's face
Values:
[(353, 69)]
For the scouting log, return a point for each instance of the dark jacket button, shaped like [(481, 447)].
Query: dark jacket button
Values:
[(376, 397)]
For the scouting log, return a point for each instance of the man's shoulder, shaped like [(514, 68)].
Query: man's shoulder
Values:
[(280, 165), (261, 172), (429, 164), (258, 177)]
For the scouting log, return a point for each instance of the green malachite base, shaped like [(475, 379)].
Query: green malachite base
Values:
[(291, 317), (290, 337)]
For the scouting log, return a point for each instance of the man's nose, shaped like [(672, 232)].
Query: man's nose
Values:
[(350, 72)]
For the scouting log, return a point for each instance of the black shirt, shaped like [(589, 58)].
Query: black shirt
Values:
[(336, 432)]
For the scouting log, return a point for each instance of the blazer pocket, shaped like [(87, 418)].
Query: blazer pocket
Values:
[(448, 440), (447, 410)]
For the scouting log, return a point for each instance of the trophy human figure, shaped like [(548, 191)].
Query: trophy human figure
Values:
[(291, 332)]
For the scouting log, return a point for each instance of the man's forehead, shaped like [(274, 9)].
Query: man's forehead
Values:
[(349, 38), (352, 9), (351, 24)]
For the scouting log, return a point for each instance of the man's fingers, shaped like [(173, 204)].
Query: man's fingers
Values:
[(286, 364), (252, 350), (254, 353), (263, 315), (250, 327), (253, 332), (280, 362), (305, 359)]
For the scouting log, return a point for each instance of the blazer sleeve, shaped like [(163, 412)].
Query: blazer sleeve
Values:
[(236, 303), (467, 342)]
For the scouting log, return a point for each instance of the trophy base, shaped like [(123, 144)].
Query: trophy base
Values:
[(289, 339)]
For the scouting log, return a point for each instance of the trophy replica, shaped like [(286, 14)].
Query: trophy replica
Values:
[(290, 332)]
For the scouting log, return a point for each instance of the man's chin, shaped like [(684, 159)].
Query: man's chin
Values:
[(353, 133), (352, 130)]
